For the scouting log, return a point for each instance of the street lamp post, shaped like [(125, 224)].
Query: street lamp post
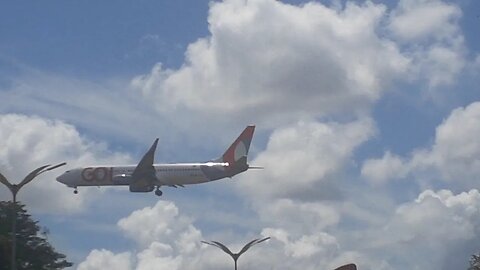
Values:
[(235, 256), (15, 188)]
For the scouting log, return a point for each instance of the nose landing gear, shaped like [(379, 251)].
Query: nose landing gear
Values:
[(75, 191), (158, 192)]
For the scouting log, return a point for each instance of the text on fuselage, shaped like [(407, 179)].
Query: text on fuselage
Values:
[(97, 174)]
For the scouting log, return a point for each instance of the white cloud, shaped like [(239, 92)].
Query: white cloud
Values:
[(415, 20), (434, 216), (315, 216), (264, 62), (155, 224), (298, 195), (30, 142), (167, 239), (443, 64), (272, 63), (172, 245), (158, 257), (437, 225), (302, 160), (268, 62), (429, 29), (105, 259), (319, 244), (454, 156), (319, 250), (379, 171), (456, 150)]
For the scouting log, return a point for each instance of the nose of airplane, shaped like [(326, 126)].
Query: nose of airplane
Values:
[(63, 178)]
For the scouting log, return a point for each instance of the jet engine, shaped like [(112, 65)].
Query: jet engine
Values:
[(138, 187)]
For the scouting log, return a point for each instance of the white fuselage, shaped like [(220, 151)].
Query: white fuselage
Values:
[(166, 174)]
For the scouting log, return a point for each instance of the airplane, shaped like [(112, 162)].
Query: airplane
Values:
[(147, 176)]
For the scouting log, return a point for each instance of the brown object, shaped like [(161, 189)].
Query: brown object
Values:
[(350, 266)]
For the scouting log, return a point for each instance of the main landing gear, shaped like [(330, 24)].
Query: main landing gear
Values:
[(158, 192)]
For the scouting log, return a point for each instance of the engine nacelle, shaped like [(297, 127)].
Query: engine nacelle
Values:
[(140, 187)]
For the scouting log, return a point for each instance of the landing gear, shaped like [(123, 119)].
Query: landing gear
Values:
[(158, 192), (75, 191)]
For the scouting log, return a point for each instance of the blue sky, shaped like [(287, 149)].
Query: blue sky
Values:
[(367, 118), (98, 40)]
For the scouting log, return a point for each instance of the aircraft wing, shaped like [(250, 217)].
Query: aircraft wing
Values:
[(143, 175)]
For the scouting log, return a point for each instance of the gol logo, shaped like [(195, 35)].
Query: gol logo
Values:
[(98, 174)]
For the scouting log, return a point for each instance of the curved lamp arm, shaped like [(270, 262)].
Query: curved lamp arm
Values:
[(4, 181), (220, 246), (252, 243), (235, 256), (14, 188)]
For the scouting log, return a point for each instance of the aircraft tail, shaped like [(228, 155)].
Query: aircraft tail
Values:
[(236, 154)]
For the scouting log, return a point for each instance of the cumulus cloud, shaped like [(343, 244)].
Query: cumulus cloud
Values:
[(413, 231), (298, 194), (415, 20), (315, 216), (167, 239), (28, 142), (302, 160), (270, 63), (158, 256), (441, 64), (264, 62), (155, 224), (438, 225), (175, 244), (455, 153), (429, 31), (454, 156), (379, 171), (105, 259), (320, 244)]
